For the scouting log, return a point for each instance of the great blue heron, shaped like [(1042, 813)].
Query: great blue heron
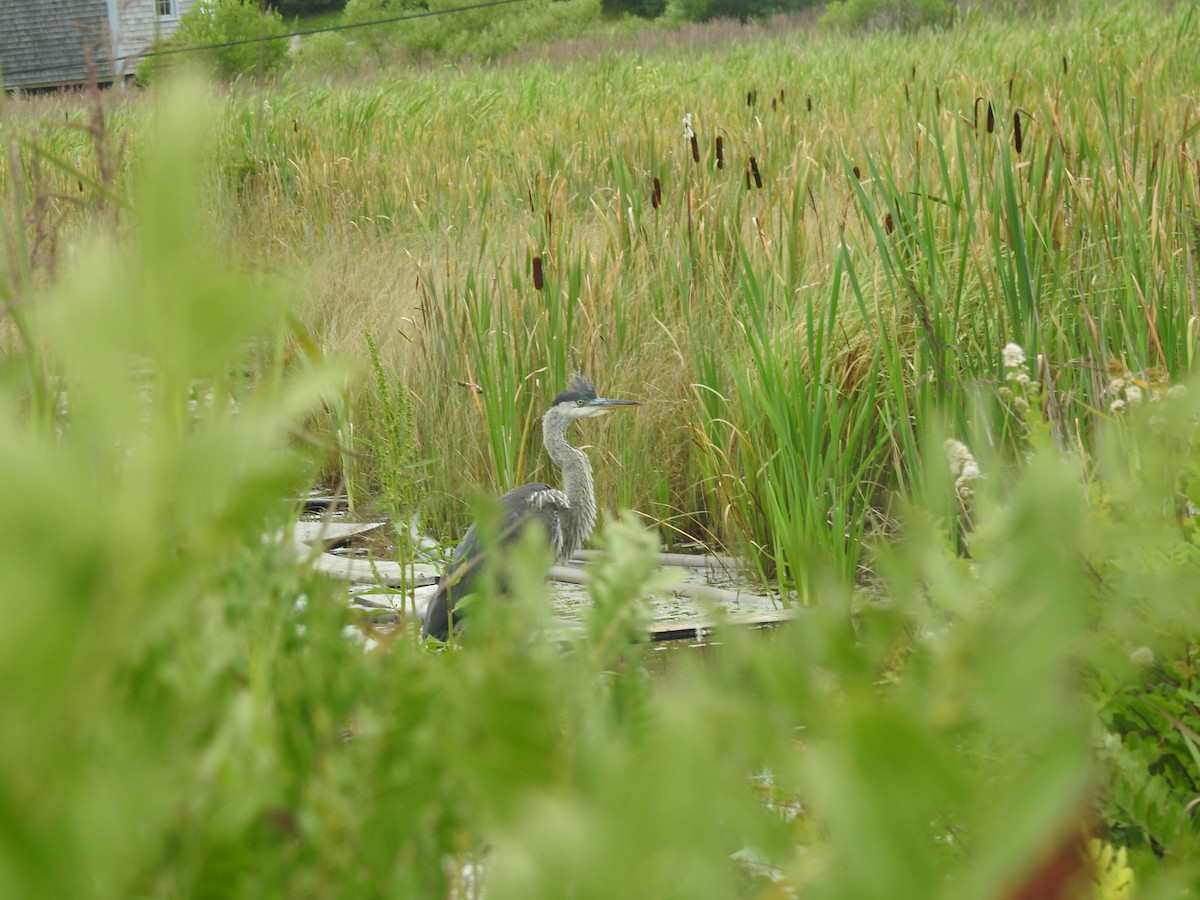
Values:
[(567, 515)]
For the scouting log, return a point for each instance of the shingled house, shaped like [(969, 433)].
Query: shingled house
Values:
[(48, 43)]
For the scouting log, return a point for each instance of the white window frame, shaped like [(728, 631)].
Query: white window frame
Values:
[(171, 9)]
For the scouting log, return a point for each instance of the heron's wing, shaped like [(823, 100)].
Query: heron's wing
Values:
[(520, 506), (536, 502)]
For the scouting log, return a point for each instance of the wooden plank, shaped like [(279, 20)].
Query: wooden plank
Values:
[(700, 628), (573, 575), (332, 534), (373, 571), (677, 560), (568, 575)]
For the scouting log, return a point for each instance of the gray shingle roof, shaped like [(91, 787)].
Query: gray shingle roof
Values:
[(48, 42)]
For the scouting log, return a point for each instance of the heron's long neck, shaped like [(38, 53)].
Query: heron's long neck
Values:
[(576, 477)]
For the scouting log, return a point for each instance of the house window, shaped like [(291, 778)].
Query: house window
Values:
[(166, 9)]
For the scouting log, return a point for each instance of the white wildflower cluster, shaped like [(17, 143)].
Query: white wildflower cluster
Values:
[(1115, 390), (1013, 356), (688, 134), (1124, 391), (1017, 377), (1142, 656), (963, 467)]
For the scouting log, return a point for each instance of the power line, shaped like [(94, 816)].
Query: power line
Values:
[(272, 37)]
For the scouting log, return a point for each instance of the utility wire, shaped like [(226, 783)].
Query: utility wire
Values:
[(272, 37)]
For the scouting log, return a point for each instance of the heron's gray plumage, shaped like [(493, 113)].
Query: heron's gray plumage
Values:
[(567, 515)]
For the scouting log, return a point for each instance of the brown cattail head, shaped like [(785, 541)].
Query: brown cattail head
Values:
[(975, 114), (774, 104), (808, 102), (888, 225), (991, 118), (1018, 141), (656, 195), (1064, 64), (937, 96), (720, 152), (857, 173), (695, 149), (907, 98), (781, 95), (751, 96), (538, 280), (755, 173)]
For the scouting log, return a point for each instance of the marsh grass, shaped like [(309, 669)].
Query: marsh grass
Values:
[(791, 337)]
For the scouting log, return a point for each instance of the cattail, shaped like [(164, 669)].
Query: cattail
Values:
[(991, 118), (774, 104), (754, 172), (1064, 64), (808, 102), (1010, 86), (857, 173), (656, 196), (975, 114), (914, 72), (296, 125), (747, 174), (888, 225), (1018, 141), (781, 95), (538, 281), (751, 96), (907, 99), (937, 96), (695, 149), (720, 152)]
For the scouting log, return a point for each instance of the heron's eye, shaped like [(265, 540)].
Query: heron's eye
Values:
[(579, 403)]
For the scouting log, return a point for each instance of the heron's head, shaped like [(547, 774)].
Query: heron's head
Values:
[(580, 400)]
